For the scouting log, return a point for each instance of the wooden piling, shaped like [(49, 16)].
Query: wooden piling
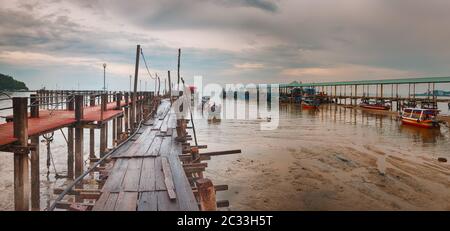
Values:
[(133, 101), (206, 194), (92, 131), (21, 171), (78, 135), (127, 112), (103, 127), (34, 160)]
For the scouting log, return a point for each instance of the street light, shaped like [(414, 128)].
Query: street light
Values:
[(104, 76)]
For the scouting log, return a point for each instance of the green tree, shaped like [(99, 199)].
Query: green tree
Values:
[(9, 83)]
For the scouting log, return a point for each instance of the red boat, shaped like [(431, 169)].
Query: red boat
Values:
[(425, 118), (375, 105), (310, 103)]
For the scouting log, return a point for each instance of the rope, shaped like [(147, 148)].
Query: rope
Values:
[(3, 93), (145, 62), (50, 161), (192, 121)]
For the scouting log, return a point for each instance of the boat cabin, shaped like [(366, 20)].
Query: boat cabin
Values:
[(420, 114)]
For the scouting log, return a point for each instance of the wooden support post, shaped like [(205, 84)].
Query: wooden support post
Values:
[(92, 131), (335, 94), (178, 72), (78, 135), (133, 101), (356, 95), (127, 111), (103, 132), (34, 160), (206, 194), (409, 91), (114, 132), (21, 170), (70, 138)]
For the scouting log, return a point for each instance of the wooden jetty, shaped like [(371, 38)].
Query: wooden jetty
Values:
[(340, 92), (150, 166)]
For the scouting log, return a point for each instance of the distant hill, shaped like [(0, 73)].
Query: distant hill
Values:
[(8, 83)]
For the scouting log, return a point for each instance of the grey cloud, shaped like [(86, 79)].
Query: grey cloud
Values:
[(260, 4)]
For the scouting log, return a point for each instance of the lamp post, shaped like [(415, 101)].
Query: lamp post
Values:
[(104, 76)]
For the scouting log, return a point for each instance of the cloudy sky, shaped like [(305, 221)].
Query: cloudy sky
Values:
[(63, 44)]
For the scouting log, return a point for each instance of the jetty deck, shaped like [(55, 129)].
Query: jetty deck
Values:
[(50, 120), (148, 175)]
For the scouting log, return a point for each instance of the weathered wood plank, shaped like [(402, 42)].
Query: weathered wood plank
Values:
[(110, 203), (154, 147), (164, 202), (185, 196), (159, 183), (157, 125), (100, 203), (166, 145), (148, 179), (168, 179), (148, 201), (133, 175), (115, 179), (126, 201)]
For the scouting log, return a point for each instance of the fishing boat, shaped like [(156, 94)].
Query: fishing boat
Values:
[(420, 117), (310, 103), (375, 105)]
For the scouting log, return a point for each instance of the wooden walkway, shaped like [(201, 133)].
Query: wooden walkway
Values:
[(50, 120), (147, 175)]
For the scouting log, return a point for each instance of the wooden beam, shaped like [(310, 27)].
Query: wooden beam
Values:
[(168, 179), (218, 153)]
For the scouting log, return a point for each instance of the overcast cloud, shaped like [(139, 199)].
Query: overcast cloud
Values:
[(64, 43)]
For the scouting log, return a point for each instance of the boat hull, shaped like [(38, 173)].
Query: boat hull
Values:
[(382, 108), (422, 124), (307, 106)]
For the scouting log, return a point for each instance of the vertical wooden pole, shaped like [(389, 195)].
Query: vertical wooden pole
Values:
[(78, 135), (133, 101), (70, 138), (21, 171), (178, 72), (34, 160), (127, 111), (206, 194), (335, 94), (92, 131), (409, 91), (103, 128), (119, 119)]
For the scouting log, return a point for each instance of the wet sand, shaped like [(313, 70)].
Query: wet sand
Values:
[(334, 159)]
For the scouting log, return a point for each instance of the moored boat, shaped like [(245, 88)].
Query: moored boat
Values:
[(420, 117), (375, 105), (310, 103)]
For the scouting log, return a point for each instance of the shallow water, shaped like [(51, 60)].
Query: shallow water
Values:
[(290, 167), (335, 158)]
